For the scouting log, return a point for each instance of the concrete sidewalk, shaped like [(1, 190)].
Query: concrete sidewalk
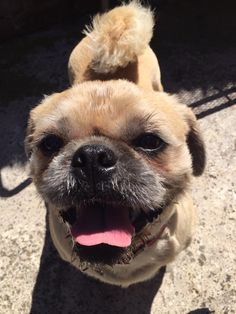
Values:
[(32, 276)]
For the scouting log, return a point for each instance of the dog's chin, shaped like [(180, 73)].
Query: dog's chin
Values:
[(104, 233)]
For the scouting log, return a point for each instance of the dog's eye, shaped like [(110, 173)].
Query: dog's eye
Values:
[(50, 144), (149, 142)]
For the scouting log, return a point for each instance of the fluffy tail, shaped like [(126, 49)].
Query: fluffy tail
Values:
[(119, 36)]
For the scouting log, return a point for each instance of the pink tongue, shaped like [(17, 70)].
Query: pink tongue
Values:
[(110, 226)]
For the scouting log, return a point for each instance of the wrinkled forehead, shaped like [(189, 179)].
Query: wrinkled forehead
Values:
[(114, 109)]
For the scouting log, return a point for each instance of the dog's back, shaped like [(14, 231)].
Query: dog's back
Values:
[(116, 46)]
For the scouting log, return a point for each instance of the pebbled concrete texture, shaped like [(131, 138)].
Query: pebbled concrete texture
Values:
[(33, 279)]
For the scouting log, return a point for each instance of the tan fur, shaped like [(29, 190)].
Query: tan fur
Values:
[(130, 57), (107, 102), (119, 36)]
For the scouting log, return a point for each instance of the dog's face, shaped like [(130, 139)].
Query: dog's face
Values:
[(109, 158)]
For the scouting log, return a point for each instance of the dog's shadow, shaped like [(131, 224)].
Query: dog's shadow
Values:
[(60, 288)]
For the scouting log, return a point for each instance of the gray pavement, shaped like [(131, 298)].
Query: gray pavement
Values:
[(33, 279)]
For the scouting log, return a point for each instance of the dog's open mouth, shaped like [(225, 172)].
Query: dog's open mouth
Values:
[(105, 232), (103, 224)]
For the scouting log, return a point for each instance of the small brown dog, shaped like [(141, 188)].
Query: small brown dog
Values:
[(113, 155)]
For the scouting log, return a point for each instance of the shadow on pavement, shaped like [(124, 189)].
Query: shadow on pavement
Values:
[(201, 311), (210, 104), (4, 192)]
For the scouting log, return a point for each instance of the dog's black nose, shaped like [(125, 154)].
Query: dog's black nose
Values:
[(94, 162)]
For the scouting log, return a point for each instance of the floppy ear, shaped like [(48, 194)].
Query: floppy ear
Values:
[(29, 137), (195, 144)]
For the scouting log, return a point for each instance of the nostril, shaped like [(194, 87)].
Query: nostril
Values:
[(79, 160), (106, 159)]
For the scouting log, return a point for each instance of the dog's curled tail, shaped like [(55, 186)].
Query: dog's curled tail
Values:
[(119, 36)]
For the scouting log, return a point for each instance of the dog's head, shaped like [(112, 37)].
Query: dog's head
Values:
[(109, 158)]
